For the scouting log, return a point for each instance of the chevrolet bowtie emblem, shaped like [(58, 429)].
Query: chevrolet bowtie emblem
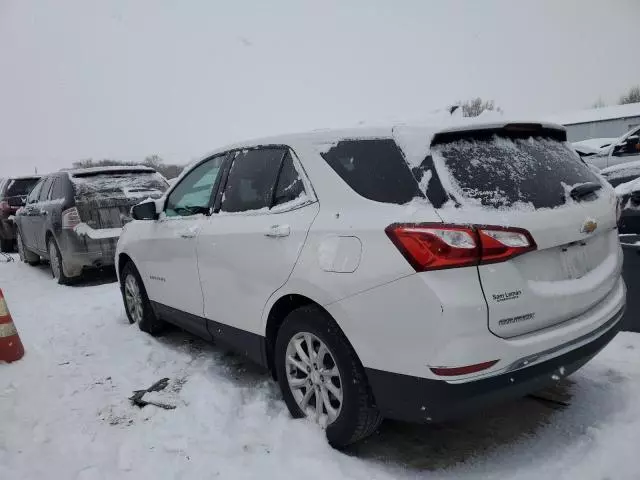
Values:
[(589, 226)]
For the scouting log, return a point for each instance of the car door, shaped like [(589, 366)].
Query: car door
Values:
[(169, 258), (626, 149), (40, 214), (250, 244), (28, 218)]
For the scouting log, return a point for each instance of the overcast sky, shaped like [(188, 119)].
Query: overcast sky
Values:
[(128, 78)]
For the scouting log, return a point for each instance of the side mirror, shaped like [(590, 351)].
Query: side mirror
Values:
[(144, 211)]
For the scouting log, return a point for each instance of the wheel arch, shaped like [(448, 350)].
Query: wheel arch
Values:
[(278, 311)]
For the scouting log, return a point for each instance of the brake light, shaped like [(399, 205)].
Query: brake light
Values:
[(438, 246), (500, 244), (4, 206), (70, 218)]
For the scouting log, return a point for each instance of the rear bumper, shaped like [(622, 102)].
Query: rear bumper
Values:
[(415, 399), (81, 251)]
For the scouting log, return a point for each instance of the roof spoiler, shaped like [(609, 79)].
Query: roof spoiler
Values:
[(511, 130)]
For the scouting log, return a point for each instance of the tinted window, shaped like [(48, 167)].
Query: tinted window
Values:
[(119, 183), (20, 186), (375, 169), (290, 185), (500, 172), (193, 194), (57, 191), (33, 196), (252, 179), (44, 191)]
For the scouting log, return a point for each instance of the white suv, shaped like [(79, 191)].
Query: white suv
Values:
[(408, 273)]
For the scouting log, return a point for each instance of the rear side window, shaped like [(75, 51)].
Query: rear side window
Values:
[(44, 191), (252, 179), (375, 169), (501, 172), (35, 193), (57, 191), (290, 186), (20, 187)]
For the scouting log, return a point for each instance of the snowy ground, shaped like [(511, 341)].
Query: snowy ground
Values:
[(65, 413)]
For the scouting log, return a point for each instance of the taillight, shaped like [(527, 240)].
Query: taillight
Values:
[(70, 218), (500, 244), (4, 206), (438, 246)]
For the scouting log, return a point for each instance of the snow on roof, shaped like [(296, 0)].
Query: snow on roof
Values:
[(596, 114), (123, 168), (425, 129)]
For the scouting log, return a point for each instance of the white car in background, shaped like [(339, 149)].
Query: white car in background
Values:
[(409, 273), (622, 150), (592, 146)]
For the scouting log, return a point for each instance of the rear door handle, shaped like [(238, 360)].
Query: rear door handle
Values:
[(189, 232), (278, 231)]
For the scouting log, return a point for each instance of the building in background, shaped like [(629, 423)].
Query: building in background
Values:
[(599, 122)]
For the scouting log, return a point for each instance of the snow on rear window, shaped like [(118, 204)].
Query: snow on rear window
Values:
[(133, 184), (510, 173)]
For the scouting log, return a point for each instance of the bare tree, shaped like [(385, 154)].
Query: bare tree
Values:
[(475, 106), (599, 103), (632, 96)]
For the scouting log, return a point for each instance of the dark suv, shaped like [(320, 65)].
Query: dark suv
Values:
[(74, 218), (13, 193)]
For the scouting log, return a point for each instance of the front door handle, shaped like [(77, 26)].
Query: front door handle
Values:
[(278, 231)]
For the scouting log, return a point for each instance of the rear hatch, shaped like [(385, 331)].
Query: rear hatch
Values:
[(17, 191), (528, 177), (104, 197)]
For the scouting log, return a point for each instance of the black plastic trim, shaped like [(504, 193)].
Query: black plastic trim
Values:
[(251, 345), (415, 399)]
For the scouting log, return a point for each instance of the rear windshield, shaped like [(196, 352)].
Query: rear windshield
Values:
[(129, 184), (375, 169), (20, 187), (501, 172)]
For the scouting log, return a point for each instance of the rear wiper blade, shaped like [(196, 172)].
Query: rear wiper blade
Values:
[(584, 190)]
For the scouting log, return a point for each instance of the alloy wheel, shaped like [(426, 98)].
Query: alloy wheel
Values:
[(54, 260), (133, 298), (314, 378)]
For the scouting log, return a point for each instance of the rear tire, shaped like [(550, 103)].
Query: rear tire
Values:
[(136, 301), (357, 416), (56, 263), (26, 255), (6, 246)]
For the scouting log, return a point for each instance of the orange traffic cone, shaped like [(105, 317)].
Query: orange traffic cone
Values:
[(11, 348)]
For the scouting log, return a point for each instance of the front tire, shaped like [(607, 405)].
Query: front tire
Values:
[(322, 378), (136, 301)]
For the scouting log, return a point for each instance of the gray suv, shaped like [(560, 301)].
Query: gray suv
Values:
[(74, 218)]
